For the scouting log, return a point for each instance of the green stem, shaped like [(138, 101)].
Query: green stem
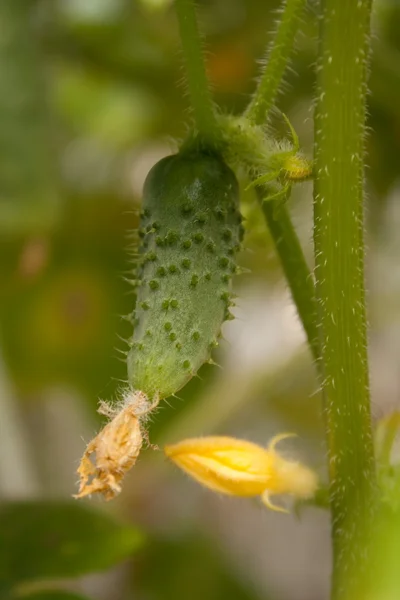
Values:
[(199, 91), (287, 244), (277, 59), (298, 275), (339, 257)]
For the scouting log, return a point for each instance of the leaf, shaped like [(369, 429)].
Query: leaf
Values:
[(189, 566), (51, 595), (383, 577), (52, 539), (28, 196)]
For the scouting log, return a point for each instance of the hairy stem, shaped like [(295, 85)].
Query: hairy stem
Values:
[(287, 244), (199, 91), (277, 59), (339, 257), (298, 275)]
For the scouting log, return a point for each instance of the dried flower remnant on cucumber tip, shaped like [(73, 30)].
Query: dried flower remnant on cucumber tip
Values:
[(116, 447), (241, 468)]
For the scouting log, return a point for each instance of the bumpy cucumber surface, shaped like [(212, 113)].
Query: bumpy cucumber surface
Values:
[(190, 233)]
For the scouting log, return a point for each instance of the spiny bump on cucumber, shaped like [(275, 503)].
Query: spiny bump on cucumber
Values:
[(189, 234)]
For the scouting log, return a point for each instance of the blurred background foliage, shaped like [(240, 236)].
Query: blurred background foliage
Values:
[(92, 95)]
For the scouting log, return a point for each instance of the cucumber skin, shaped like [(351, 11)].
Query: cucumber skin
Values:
[(190, 230)]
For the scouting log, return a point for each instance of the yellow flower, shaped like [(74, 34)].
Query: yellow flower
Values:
[(241, 468)]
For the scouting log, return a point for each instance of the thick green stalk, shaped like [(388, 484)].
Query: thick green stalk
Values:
[(200, 96), (276, 62), (298, 275), (339, 256)]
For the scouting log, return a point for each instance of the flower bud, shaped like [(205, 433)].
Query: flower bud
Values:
[(241, 468)]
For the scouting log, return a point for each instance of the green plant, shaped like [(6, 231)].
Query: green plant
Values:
[(330, 301), (332, 312)]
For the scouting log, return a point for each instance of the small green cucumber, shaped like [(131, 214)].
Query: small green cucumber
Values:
[(190, 232)]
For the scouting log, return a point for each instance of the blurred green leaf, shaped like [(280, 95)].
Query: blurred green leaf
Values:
[(384, 576), (189, 567), (28, 198), (154, 5), (45, 539), (70, 307), (50, 595)]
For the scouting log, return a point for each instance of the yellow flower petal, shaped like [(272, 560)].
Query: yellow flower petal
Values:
[(242, 468), (224, 464)]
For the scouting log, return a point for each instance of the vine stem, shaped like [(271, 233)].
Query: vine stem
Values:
[(200, 96), (276, 63), (298, 275), (339, 270), (288, 247)]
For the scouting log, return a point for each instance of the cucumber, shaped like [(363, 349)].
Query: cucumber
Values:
[(190, 233)]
